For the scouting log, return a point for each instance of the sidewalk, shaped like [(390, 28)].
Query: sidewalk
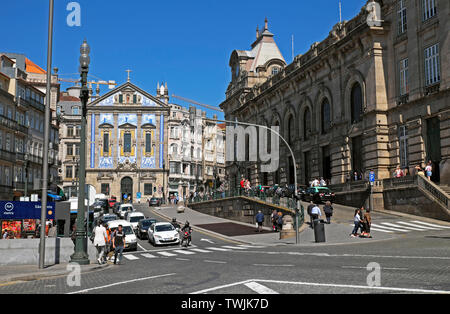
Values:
[(10, 274), (336, 233)]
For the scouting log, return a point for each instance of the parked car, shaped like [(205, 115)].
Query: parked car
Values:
[(100, 208), (130, 237), (134, 218), (142, 228), (124, 208), (163, 233), (318, 195), (154, 202), (289, 191), (108, 218)]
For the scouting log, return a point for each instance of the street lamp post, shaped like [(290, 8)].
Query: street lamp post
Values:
[(80, 256), (46, 138)]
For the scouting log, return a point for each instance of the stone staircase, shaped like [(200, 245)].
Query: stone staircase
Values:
[(445, 188)]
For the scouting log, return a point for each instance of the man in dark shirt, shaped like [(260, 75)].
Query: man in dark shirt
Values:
[(259, 220), (118, 243)]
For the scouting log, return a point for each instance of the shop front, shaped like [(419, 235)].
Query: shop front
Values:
[(20, 219)]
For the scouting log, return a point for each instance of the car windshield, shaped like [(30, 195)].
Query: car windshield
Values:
[(162, 228), (109, 218), (125, 208), (128, 230), (147, 223), (136, 218)]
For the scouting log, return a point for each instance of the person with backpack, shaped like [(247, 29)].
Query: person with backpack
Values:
[(328, 210), (259, 220), (280, 221)]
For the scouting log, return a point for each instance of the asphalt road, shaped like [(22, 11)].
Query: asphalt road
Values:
[(407, 264)]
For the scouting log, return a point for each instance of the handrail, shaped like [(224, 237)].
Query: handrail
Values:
[(434, 190)]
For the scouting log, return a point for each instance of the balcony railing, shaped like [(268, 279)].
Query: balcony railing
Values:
[(8, 156), (13, 125)]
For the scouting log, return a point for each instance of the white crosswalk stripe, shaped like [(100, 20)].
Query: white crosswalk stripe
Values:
[(430, 225), (406, 226), (234, 247), (417, 226), (390, 228), (397, 226), (201, 251), (146, 255), (166, 254), (218, 249), (131, 257), (185, 252)]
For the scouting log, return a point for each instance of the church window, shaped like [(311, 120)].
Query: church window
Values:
[(356, 103), (120, 98), (127, 143), (134, 99), (148, 142), (326, 116), (106, 144), (307, 124)]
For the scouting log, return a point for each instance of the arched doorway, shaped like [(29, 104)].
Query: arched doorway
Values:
[(126, 188)]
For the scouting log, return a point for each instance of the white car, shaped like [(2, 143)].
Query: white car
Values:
[(124, 208), (134, 218), (130, 237), (163, 233)]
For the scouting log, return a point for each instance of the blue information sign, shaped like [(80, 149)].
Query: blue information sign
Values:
[(25, 210), (372, 176), (138, 194)]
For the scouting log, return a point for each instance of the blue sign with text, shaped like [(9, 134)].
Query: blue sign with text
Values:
[(25, 210), (372, 176)]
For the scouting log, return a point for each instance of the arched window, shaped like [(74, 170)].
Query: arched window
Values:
[(356, 103), (306, 124), (326, 116), (290, 130)]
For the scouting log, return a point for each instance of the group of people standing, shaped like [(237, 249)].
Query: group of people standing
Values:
[(362, 220), (315, 213), (108, 243), (318, 182)]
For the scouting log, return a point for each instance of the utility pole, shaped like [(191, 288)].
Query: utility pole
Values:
[(48, 98)]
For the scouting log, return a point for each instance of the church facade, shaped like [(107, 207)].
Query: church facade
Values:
[(127, 143)]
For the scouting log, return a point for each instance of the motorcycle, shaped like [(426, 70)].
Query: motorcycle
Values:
[(186, 239)]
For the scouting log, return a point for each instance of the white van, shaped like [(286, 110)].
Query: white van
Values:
[(130, 237), (134, 217), (124, 208)]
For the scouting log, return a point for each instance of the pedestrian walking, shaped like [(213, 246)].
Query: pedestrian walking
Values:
[(367, 221), (273, 218), (328, 210), (100, 239), (315, 213), (280, 221), (259, 221), (73, 235), (5, 234), (118, 244), (357, 221), (310, 207), (429, 170)]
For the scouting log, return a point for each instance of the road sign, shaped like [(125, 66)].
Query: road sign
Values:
[(139, 195), (372, 176)]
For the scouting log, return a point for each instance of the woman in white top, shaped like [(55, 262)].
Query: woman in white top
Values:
[(429, 170), (100, 239), (357, 220)]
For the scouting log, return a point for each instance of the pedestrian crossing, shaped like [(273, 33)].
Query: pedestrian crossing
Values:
[(406, 227), (187, 252)]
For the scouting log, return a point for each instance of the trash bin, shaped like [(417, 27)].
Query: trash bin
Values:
[(319, 230)]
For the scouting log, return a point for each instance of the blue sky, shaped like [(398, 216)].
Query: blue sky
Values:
[(186, 43)]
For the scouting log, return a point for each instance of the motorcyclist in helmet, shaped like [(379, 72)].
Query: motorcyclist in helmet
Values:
[(187, 228), (175, 224)]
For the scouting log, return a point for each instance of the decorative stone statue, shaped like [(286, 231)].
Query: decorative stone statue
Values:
[(374, 16)]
